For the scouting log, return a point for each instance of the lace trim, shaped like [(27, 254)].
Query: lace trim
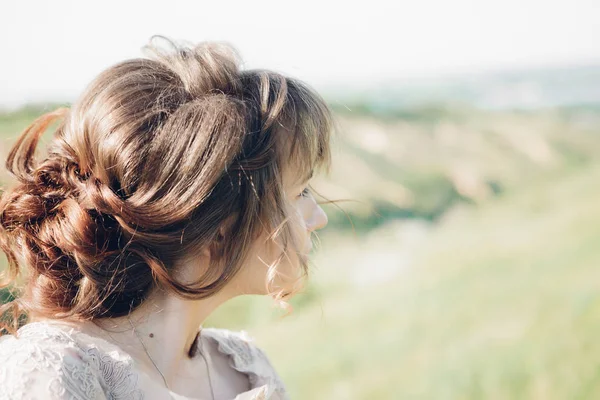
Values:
[(118, 378), (87, 362), (249, 359), (26, 363)]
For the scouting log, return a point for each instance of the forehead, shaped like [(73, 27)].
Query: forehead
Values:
[(296, 168), (295, 176), (296, 161), (302, 141)]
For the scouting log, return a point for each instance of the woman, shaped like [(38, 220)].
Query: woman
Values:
[(174, 184)]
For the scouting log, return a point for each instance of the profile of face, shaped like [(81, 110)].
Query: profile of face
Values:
[(305, 217)]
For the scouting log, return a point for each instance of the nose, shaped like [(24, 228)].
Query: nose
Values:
[(318, 220)]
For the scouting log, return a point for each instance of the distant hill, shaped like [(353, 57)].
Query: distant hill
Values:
[(419, 163), (524, 89)]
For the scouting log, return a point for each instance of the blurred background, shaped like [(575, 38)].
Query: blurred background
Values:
[(467, 263)]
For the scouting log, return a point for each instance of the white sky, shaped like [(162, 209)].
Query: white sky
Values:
[(51, 49)]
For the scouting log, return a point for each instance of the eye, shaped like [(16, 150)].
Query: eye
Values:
[(305, 193)]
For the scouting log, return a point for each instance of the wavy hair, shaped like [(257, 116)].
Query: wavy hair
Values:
[(160, 157)]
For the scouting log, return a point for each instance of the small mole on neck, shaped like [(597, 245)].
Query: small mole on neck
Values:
[(151, 334)]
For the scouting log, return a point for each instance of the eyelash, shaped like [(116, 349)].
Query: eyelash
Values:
[(305, 193)]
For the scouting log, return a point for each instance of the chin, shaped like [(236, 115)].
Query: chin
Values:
[(287, 287)]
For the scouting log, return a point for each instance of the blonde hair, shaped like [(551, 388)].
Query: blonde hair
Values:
[(158, 157)]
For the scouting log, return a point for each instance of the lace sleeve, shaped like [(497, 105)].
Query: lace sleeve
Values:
[(250, 359), (265, 365), (36, 370)]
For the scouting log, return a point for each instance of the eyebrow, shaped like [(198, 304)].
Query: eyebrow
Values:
[(309, 177), (302, 181)]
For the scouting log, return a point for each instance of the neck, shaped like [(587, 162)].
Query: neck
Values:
[(168, 327)]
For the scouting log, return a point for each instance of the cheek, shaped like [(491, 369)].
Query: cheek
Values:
[(265, 252), (253, 275), (255, 271)]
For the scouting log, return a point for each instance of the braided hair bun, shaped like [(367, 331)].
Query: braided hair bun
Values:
[(159, 158)]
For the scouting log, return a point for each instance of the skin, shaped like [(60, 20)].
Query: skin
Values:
[(168, 325)]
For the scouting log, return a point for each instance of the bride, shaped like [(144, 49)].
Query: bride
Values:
[(174, 183)]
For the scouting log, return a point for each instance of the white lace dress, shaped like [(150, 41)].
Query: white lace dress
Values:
[(53, 361)]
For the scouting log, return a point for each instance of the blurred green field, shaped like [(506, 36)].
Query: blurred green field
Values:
[(497, 302), (472, 271)]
